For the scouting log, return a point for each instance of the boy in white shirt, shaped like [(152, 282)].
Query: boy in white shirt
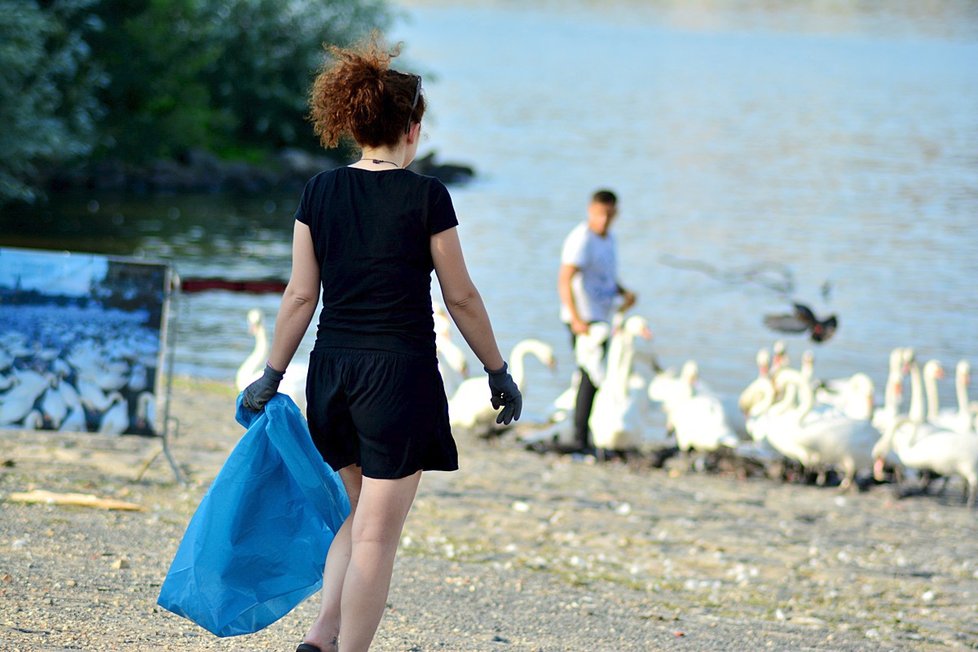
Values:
[(588, 285)]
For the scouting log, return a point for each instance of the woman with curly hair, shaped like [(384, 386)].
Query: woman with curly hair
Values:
[(370, 234)]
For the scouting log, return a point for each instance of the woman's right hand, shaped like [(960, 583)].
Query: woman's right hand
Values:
[(257, 394)]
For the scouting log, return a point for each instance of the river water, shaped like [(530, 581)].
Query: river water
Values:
[(833, 148)]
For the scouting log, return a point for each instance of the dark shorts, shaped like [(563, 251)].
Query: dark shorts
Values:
[(383, 411)]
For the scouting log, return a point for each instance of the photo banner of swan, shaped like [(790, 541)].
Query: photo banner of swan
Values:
[(81, 341)]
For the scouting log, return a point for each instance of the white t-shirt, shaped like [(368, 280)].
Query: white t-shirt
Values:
[(595, 286)]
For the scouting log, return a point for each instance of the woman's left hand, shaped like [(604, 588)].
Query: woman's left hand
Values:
[(505, 395)]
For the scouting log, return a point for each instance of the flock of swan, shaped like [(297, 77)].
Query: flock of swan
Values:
[(77, 369), (95, 371), (785, 413)]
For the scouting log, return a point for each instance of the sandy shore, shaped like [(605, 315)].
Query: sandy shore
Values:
[(517, 551)]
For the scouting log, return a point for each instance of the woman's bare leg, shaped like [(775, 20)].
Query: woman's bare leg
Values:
[(376, 532), (324, 632)]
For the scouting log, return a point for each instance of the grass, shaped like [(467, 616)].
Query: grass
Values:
[(197, 385)]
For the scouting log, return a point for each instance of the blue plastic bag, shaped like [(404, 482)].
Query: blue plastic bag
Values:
[(256, 545)]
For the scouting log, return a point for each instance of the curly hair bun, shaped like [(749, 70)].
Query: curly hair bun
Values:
[(357, 94)]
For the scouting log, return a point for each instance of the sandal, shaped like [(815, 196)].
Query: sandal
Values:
[(307, 647)]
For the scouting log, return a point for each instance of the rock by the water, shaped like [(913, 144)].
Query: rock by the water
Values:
[(448, 173), (196, 170)]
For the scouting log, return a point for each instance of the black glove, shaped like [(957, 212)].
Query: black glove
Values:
[(260, 392), (505, 394)]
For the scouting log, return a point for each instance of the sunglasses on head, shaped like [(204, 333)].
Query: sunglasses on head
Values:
[(414, 104)]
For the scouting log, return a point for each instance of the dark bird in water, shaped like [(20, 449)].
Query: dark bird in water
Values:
[(802, 320)]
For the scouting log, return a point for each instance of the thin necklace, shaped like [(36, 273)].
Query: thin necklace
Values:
[(378, 161)]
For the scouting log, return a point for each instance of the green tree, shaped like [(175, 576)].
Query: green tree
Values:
[(139, 80), (217, 74), (48, 107), (269, 51), (157, 102)]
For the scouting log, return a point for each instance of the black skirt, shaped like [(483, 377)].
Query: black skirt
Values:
[(383, 411)]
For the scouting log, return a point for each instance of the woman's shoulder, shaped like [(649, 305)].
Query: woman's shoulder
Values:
[(325, 176), (318, 181), (424, 180)]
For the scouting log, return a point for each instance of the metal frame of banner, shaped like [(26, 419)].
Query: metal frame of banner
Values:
[(168, 338)]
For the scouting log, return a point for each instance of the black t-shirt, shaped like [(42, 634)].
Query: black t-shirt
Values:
[(371, 231)]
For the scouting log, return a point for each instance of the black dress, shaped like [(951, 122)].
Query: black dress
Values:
[(374, 395)]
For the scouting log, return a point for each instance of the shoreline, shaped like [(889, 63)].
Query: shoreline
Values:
[(516, 551)]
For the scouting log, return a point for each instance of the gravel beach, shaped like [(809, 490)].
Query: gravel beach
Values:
[(517, 551)]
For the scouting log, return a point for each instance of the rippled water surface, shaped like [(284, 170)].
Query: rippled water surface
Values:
[(818, 146)]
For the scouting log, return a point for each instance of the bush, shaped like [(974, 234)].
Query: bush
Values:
[(269, 51), (140, 80), (217, 74), (48, 108)]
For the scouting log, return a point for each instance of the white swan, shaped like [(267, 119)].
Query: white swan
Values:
[(916, 412), (138, 378), (54, 407), (668, 390), (115, 419), (619, 415), (254, 364), (892, 392), (452, 364), (441, 320), (666, 387), (941, 451), (853, 397), (91, 394), (700, 422), (293, 383), (780, 358), (847, 395), (733, 416), (112, 375), (826, 390), (827, 439), (958, 420), (781, 370), (838, 439), (19, 401), (146, 411), (60, 368), (756, 390), (671, 391), (914, 426), (775, 419), (83, 358), (75, 420), (469, 407)]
